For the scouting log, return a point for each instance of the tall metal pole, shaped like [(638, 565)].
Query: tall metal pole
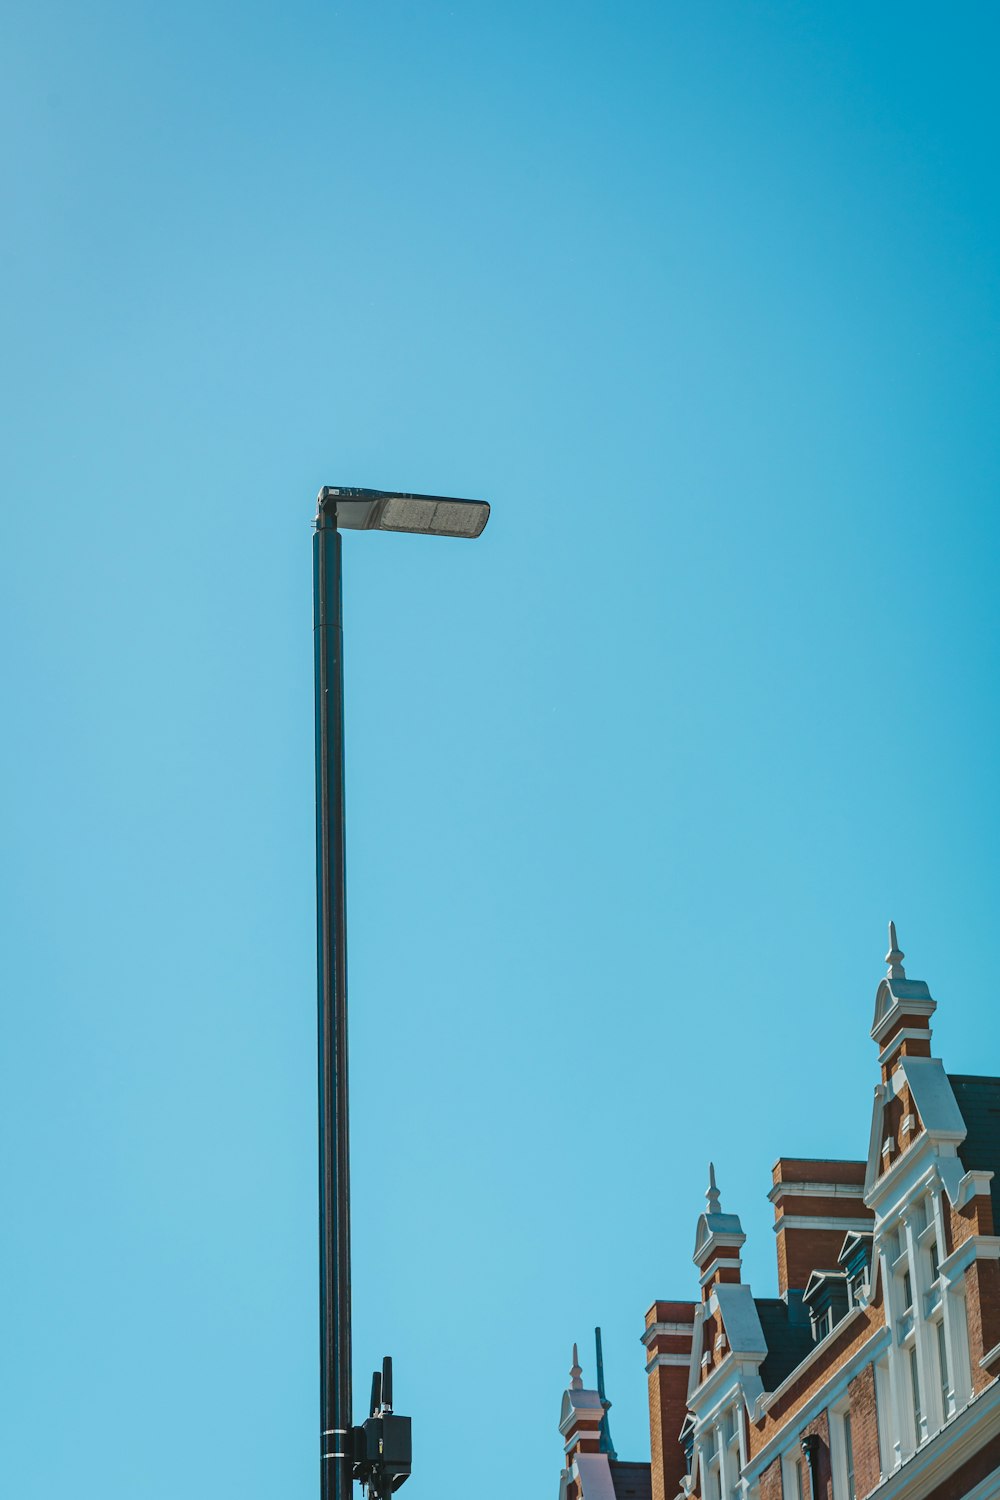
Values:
[(334, 1153)]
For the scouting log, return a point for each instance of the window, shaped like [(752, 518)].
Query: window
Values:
[(907, 1292), (731, 1432), (849, 1457), (793, 1479), (935, 1263), (842, 1454), (915, 1383), (942, 1345)]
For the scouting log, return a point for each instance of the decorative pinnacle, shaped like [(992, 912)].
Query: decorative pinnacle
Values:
[(894, 957), (575, 1374), (713, 1197)]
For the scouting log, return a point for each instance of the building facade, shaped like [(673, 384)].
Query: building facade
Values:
[(874, 1371)]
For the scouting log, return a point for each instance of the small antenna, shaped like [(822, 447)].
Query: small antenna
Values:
[(387, 1383), (606, 1445), (376, 1393)]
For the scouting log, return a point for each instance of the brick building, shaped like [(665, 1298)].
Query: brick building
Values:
[(874, 1371)]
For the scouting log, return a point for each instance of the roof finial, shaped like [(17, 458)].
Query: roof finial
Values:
[(894, 957), (575, 1374), (712, 1197)]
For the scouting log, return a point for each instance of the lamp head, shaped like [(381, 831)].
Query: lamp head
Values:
[(393, 510)]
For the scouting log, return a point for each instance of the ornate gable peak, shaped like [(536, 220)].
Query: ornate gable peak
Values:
[(898, 996), (579, 1404), (715, 1227)]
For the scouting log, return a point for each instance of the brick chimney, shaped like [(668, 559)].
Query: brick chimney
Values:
[(669, 1328), (816, 1204)]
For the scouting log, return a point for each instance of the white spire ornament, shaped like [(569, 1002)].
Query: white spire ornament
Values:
[(576, 1374), (894, 957), (713, 1197)]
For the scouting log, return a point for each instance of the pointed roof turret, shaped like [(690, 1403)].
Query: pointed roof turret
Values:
[(903, 1010), (718, 1239), (580, 1418)]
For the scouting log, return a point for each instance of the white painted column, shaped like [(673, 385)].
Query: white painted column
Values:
[(925, 1367), (897, 1415)]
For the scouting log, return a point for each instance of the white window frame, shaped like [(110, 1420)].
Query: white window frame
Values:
[(840, 1415)]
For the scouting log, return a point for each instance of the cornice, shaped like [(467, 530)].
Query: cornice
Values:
[(816, 1190), (920, 1474)]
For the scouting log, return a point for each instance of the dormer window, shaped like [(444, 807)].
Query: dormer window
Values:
[(826, 1297), (855, 1260)]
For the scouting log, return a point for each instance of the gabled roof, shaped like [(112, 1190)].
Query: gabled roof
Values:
[(933, 1095), (738, 1312), (789, 1337), (818, 1279), (594, 1470), (631, 1481), (979, 1101)]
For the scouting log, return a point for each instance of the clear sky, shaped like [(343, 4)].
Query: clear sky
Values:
[(704, 298)]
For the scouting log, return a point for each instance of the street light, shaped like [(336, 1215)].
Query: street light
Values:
[(348, 1452)]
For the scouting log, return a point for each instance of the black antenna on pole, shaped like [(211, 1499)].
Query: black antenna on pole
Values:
[(606, 1445)]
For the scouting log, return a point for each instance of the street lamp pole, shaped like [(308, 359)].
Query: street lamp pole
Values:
[(331, 930), (366, 1453)]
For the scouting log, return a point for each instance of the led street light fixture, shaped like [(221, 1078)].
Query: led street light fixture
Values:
[(386, 510)]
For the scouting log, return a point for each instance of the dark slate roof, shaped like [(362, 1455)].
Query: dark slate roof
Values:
[(631, 1481), (787, 1334), (979, 1101)]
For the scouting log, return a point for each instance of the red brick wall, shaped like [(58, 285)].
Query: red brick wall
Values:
[(810, 1169), (864, 1431), (982, 1301), (970, 1474), (822, 1468), (667, 1410), (770, 1482), (803, 1251), (668, 1398)]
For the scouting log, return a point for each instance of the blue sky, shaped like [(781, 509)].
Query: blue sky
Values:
[(705, 300)]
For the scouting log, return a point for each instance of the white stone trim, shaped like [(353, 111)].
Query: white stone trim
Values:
[(804, 1221), (959, 1440), (720, 1262), (816, 1190), (820, 1348), (670, 1330), (907, 1034), (830, 1390), (680, 1361), (976, 1247)]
